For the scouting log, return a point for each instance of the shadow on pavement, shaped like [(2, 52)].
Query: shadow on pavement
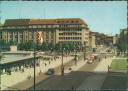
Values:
[(69, 81), (115, 80)]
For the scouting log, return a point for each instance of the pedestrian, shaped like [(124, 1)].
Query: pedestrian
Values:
[(99, 59), (45, 64), (49, 62)]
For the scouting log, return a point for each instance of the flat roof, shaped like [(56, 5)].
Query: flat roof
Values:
[(13, 59)]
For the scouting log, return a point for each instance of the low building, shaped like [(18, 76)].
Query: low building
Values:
[(13, 48), (8, 48)]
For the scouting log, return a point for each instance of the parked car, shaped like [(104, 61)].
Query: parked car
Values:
[(50, 71)]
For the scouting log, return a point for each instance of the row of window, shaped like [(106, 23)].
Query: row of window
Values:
[(70, 25), (70, 33), (65, 29), (67, 21), (74, 42), (30, 26), (70, 38), (42, 26)]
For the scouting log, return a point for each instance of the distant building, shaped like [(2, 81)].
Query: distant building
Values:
[(92, 41), (99, 38), (115, 38), (73, 30), (109, 40), (103, 39), (8, 48)]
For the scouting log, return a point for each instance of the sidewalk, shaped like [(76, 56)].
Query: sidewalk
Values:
[(16, 77), (75, 67), (96, 81)]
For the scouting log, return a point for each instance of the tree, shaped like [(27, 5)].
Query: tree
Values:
[(2, 42), (58, 46), (44, 46), (10, 43), (1, 56)]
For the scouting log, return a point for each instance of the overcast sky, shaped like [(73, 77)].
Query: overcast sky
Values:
[(101, 16)]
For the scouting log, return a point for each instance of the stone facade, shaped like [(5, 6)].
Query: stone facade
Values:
[(46, 30)]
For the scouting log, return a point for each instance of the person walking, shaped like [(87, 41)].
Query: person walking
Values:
[(45, 64), (99, 59)]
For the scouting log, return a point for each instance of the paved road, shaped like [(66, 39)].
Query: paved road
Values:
[(95, 81), (71, 80), (28, 83)]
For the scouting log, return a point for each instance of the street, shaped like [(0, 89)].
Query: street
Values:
[(74, 79)]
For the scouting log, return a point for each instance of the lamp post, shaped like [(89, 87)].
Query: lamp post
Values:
[(34, 68), (127, 58), (62, 67), (76, 56), (35, 64), (84, 52)]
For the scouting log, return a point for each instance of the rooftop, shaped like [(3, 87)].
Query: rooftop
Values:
[(10, 57), (10, 22)]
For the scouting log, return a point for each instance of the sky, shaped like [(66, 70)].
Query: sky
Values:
[(101, 16)]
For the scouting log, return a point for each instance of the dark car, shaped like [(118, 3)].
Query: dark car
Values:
[(50, 71)]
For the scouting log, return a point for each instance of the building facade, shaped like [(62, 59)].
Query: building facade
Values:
[(92, 41), (73, 30)]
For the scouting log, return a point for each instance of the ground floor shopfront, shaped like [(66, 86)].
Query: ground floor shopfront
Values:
[(19, 65)]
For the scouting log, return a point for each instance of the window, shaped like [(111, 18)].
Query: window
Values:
[(18, 27), (30, 26), (34, 26), (39, 26), (72, 21), (16, 36), (21, 36), (77, 21), (10, 36)]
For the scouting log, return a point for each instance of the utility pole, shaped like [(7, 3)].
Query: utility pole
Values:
[(127, 50), (84, 52), (35, 64), (62, 67), (127, 56), (34, 68)]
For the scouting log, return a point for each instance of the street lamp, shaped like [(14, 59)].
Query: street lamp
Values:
[(84, 47), (34, 68), (76, 56), (127, 58), (62, 67)]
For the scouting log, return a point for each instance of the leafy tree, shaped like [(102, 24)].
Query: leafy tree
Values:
[(10, 43), (44, 46), (2, 42), (58, 46)]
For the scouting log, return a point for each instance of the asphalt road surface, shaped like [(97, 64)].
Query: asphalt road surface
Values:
[(69, 81)]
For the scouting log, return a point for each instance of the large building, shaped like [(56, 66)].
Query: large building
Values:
[(46, 30)]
